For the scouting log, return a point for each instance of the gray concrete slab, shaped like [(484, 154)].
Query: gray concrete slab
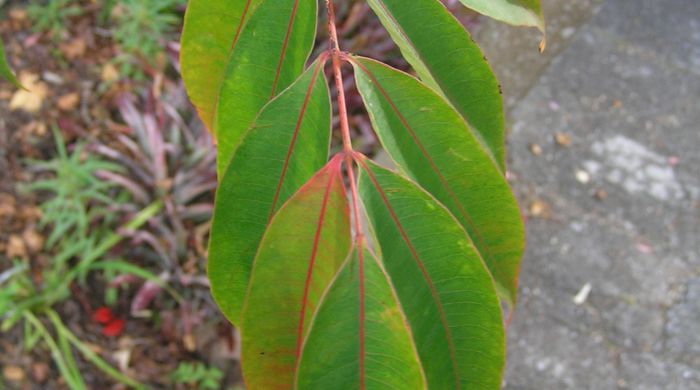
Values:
[(618, 209)]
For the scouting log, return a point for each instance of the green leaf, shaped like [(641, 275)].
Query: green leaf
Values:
[(516, 12), (442, 285), (270, 54), (453, 64), (5, 71), (209, 34), (337, 355), (430, 141), (307, 242), (288, 143)]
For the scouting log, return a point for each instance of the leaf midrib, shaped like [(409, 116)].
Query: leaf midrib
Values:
[(285, 45), (295, 135), (443, 182), (421, 265), (433, 80), (334, 168)]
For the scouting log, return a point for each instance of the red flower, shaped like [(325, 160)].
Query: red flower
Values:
[(103, 315), (114, 328)]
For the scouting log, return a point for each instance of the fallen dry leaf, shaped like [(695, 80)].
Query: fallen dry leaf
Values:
[(30, 213), (109, 73), (74, 48), (33, 240), (31, 99), (7, 205), (18, 14), (600, 194), (540, 209), (68, 102), (122, 357), (562, 139), (15, 247), (40, 371), (535, 149), (189, 342), (13, 373)]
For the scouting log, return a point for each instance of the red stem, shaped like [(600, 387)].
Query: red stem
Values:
[(349, 152), (337, 71)]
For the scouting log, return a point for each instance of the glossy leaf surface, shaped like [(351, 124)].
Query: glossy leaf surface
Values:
[(5, 71), (432, 143), (453, 64), (270, 54), (209, 34), (307, 242), (441, 282), (337, 355), (288, 143), (516, 12)]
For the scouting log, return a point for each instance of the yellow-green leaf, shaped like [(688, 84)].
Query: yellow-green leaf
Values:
[(210, 32), (516, 12), (269, 55)]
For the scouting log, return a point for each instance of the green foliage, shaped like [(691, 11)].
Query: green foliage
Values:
[(452, 164), (255, 188), (168, 159), (5, 71), (315, 226), (410, 297), (464, 78), (197, 376), (446, 293), (336, 326), (52, 16), (517, 12), (81, 234), (269, 56), (142, 26), (78, 197), (204, 57)]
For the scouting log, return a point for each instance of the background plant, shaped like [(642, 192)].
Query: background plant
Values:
[(197, 376), (81, 235), (169, 159), (5, 71), (53, 16), (141, 28), (412, 301)]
